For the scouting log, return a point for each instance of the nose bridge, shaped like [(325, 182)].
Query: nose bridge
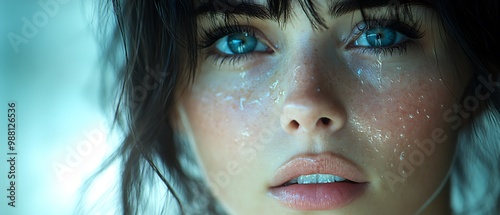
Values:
[(306, 70)]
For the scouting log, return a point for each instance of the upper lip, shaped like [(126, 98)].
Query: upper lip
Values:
[(324, 163)]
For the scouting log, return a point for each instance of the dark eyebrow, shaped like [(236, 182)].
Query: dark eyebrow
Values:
[(340, 8), (336, 9), (246, 8)]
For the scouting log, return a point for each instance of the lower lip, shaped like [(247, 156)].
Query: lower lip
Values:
[(318, 196)]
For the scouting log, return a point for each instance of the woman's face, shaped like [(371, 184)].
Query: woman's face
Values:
[(273, 106)]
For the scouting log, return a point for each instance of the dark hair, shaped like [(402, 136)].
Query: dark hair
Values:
[(160, 44)]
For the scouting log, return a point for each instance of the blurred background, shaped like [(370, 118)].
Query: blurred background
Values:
[(49, 67)]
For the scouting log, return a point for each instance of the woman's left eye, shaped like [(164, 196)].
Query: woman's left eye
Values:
[(239, 44), (379, 37)]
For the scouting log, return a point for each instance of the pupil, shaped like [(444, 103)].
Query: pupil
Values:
[(381, 37), (241, 43)]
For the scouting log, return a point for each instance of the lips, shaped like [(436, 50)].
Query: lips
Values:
[(318, 182)]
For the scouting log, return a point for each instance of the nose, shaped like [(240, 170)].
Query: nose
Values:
[(312, 105)]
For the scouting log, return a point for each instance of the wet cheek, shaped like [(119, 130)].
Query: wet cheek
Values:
[(403, 113), (227, 110)]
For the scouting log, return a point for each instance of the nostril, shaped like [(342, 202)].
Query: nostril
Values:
[(325, 121), (294, 124)]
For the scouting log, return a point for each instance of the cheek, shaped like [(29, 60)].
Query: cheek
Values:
[(227, 119), (411, 145), (410, 108)]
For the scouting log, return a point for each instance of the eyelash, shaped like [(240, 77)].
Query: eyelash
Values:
[(412, 32), (210, 37)]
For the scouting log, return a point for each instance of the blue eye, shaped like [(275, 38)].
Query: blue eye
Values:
[(240, 43), (379, 37)]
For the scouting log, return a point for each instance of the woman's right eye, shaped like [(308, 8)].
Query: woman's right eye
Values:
[(239, 44)]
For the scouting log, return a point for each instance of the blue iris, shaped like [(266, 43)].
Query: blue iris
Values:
[(241, 43), (381, 37)]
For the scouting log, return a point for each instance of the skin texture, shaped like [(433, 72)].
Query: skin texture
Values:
[(246, 119)]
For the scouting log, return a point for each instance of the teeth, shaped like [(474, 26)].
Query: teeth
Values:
[(316, 179)]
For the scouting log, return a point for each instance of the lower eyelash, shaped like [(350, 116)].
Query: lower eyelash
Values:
[(384, 51), (231, 59)]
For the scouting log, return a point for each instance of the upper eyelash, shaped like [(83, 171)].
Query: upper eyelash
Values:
[(412, 31), (409, 30), (209, 37)]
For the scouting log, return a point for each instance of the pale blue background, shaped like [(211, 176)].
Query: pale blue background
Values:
[(55, 80)]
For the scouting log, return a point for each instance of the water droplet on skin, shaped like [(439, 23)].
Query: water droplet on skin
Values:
[(411, 117), (428, 117), (273, 86), (317, 90), (402, 156), (256, 102), (241, 103)]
